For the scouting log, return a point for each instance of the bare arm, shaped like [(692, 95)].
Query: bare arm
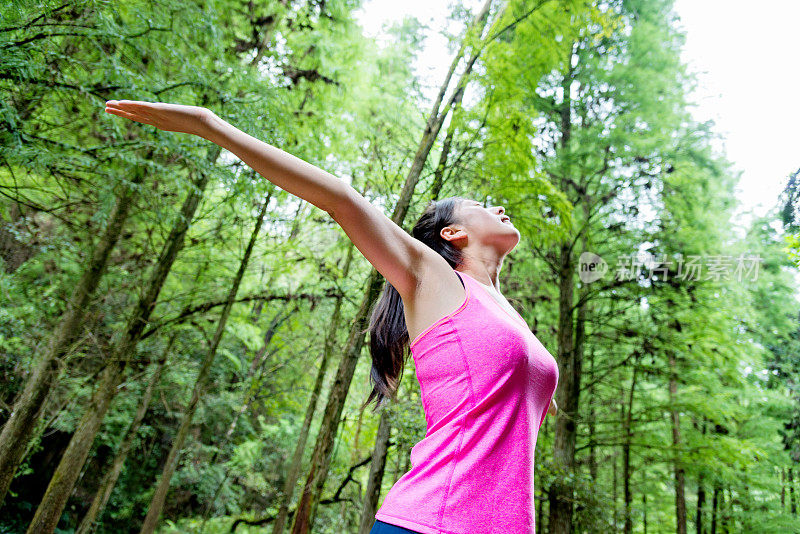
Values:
[(394, 253)]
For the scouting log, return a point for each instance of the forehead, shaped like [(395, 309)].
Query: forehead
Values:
[(467, 204)]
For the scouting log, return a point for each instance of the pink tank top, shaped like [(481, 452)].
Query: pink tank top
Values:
[(486, 383)]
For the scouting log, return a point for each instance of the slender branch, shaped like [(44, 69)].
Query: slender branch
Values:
[(35, 20), (206, 306), (336, 498), (42, 35), (94, 91)]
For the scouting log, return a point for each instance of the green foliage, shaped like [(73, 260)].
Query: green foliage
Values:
[(628, 171)]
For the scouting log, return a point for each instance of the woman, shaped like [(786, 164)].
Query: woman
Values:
[(486, 381)]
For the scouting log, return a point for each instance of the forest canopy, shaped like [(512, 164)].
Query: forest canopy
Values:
[(183, 344)]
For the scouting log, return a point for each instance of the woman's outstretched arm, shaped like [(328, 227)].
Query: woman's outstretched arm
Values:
[(284, 170), (396, 255)]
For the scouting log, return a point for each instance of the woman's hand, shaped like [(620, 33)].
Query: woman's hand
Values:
[(170, 117), (553, 408)]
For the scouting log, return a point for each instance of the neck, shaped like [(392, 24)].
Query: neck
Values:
[(484, 267)]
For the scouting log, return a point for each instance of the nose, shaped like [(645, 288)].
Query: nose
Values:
[(500, 210)]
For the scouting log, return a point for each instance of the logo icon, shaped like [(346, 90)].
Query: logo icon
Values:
[(591, 267)]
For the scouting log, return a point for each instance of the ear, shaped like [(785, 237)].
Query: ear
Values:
[(452, 233)]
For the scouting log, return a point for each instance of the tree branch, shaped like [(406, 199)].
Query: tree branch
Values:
[(336, 498), (206, 306)]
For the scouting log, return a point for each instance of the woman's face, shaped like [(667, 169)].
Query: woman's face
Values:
[(487, 226)]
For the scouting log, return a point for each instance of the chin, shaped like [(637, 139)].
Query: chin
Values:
[(513, 242)]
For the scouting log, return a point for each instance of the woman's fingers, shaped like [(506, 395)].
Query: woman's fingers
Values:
[(143, 109), (131, 104), (168, 117), (128, 115)]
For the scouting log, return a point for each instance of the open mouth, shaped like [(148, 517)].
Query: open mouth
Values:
[(505, 219)]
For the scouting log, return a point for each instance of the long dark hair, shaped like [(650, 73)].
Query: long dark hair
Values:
[(387, 325)]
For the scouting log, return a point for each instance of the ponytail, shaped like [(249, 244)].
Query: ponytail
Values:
[(387, 325)]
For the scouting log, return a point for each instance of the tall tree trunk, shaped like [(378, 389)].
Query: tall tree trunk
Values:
[(160, 495), (373, 493), (354, 453), (626, 452), (714, 508), (680, 484), (19, 428), (614, 486), (701, 492), (63, 480), (561, 490), (644, 511), (438, 176), (792, 503), (540, 513), (783, 489), (320, 460), (578, 351), (560, 494), (110, 479), (591, 424), (701, 501), (297, 458)]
